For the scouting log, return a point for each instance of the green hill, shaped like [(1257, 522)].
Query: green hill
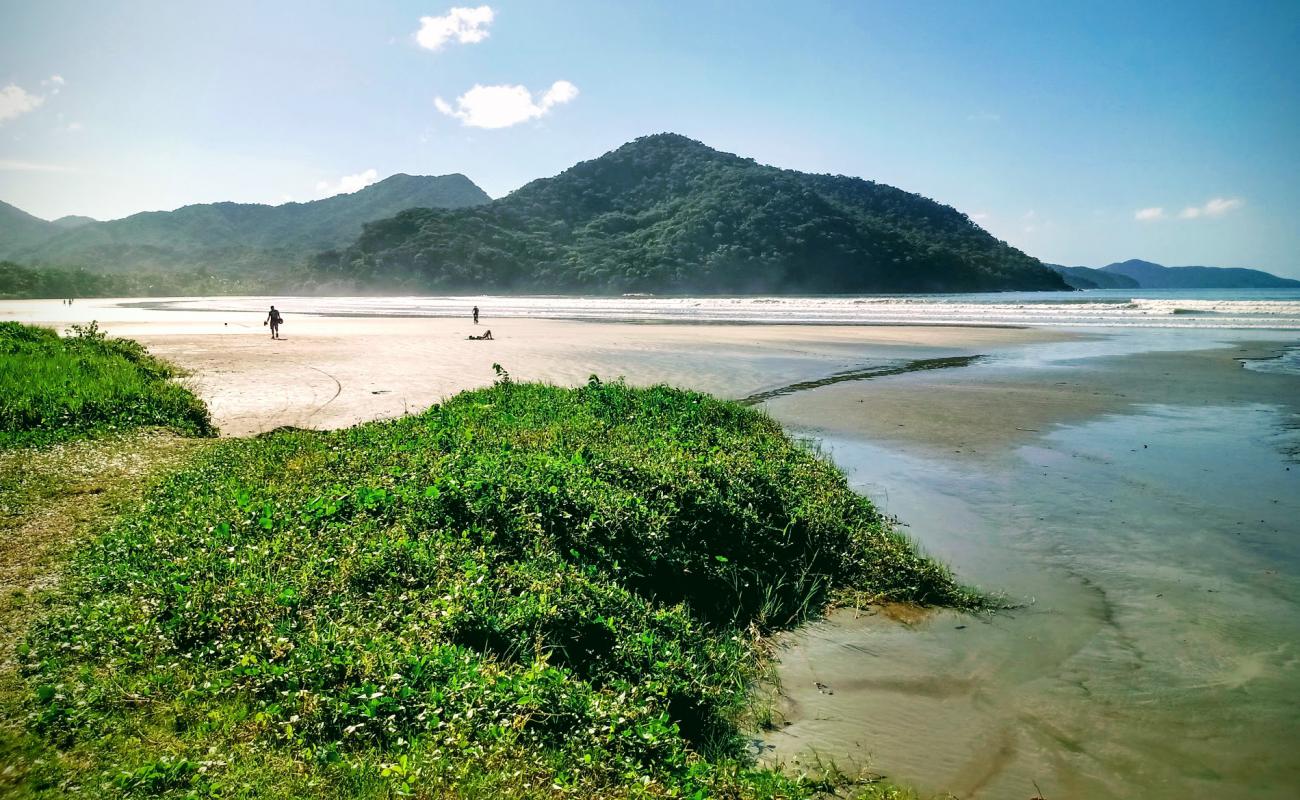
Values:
[(668, 214), (19, 230), (226, 237)]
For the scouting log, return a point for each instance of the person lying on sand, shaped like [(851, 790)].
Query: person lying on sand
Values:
[(486, 335)]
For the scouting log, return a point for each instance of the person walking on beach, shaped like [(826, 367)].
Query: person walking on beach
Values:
[(274, 319), (475, 315)]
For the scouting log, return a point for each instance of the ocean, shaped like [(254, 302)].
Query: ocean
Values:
[(1153, 308)]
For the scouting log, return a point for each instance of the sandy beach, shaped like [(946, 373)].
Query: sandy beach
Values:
[(329, 372)]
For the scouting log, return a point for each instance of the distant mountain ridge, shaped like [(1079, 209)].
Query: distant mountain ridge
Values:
[(18, 229), (224, 236), (665, 213), (1135, 273), (1089, 278), (1155, 276)]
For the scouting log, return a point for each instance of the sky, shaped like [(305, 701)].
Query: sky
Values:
[(1082, 133)]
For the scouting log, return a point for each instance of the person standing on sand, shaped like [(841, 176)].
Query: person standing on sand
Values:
[(274, 319), (475, 315)]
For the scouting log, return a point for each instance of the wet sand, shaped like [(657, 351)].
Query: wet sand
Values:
[(1144, 513), (985, 411)]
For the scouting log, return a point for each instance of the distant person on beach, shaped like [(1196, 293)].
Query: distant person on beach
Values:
[(475, 315), (274, 319), (486, 335)]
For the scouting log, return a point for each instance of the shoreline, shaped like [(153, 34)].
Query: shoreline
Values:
[(330, 372), (925, 445), (1185, 310)]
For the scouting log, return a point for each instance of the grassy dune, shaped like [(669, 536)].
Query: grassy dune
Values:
[(63, 388), (527, 591)]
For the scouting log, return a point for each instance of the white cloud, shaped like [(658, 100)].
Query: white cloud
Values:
[(1149, 214), (978, 216), (465, 25), (16, 101), (1215, 207), (347, 184), (984, 116), (503, 106)]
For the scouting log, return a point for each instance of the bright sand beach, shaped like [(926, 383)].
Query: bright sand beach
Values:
[(1133, 492)]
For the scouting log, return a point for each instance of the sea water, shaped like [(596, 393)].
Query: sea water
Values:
[(1277, 309)]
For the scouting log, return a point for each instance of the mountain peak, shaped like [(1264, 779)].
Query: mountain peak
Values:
[(669, 144), (667, 213), (73, 221)]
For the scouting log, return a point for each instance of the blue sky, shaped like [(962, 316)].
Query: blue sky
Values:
[(1083, 134)]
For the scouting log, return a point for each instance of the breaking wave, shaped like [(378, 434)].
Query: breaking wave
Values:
[(1232, 309)]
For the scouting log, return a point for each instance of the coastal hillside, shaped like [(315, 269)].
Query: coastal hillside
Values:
[(226, 237), (1156, 276), (665, 213)]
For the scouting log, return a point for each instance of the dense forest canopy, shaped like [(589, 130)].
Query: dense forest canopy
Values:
[(668, 214)]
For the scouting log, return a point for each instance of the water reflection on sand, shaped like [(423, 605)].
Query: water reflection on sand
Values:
[(1157, 651)]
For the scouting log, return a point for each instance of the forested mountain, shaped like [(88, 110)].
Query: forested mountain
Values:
[(233, 237), (1089, 278), (19, 230), (1155, 276), (668, 214)]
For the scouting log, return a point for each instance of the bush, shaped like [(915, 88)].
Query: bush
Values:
[(86, 383)]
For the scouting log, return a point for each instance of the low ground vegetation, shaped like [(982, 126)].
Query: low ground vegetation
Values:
[(526, 591)]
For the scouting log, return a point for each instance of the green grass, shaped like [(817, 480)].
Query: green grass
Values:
[(86, 384), (527, 591)]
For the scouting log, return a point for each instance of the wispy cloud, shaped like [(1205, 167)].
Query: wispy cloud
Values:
[(984, 116), (465, 25), (347, 184), (1215, 207), (31, 166), (503, 106), (16, 101)]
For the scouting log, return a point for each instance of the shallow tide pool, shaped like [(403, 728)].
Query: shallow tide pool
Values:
[(1154, 559)]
